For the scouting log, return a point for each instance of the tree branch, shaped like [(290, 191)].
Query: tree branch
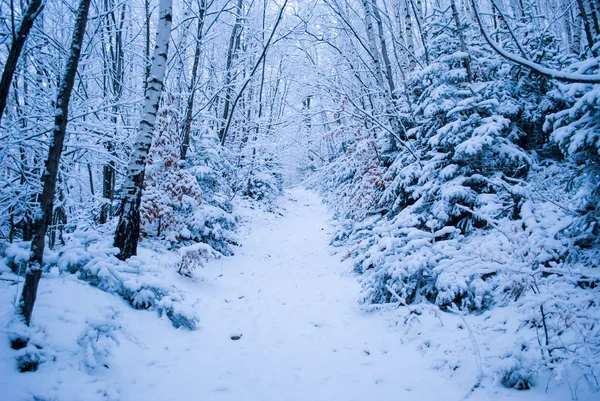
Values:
[(540, 69)]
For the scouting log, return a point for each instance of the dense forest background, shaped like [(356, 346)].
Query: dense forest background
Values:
[(457, 142)]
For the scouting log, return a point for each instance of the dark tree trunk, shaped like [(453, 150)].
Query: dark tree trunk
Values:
[(108, 186), (263, 54), (187, 125), (33, 10), (587, 26), (234, 43), (114, 59), (34, 269)]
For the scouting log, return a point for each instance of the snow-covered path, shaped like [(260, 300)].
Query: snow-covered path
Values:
[(303, 336), (292, 302)]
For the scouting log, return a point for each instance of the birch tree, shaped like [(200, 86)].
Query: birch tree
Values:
[(128, 228)]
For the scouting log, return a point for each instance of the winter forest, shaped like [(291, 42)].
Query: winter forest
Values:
[(299, 200)]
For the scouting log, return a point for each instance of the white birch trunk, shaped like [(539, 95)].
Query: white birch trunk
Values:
[(576, 48), (373, 45), (128, 229), (410, 39)]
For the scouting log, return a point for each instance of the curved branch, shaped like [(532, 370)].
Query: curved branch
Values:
[(540, 69)]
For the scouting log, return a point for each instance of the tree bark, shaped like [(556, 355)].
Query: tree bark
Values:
[(108, 186), (384, 53), (34, 268), (589, 34), (418, 11), (128, 229), (187, 125), (115, 59), (234, 42), (461, 38), (410, 40), (33, 10), (593, 12), (373, 44), (576, 47), (147, 16)]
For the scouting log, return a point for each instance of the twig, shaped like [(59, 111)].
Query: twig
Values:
[(400, 300), (487, 220), (455, 310)]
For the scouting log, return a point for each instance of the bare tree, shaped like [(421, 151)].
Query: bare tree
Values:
[(187, 125), (234, 43), (18, 41), (34, 268), (114, 59), (257, 64)]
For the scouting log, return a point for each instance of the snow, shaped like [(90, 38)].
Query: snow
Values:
[(278, 321)]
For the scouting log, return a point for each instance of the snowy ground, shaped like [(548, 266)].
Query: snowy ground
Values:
[(302, 335)]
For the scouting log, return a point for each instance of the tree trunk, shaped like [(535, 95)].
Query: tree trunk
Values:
[(128, 229), (147, 15), (187, 125), (34, 268), (108, 186), (392, 99), (461, 38), (418, 11), (384, 53), (33, 10), (252, 72), (587, 26), (410, 40), (234, 43), (373, 44), (576, 47), (116, 60), (593, 12)]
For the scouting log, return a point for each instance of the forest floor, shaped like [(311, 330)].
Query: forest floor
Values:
[(291, 302)]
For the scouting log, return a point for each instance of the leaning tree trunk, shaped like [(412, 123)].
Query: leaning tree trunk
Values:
[(34, 269), (128, 229), (33, 10)]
